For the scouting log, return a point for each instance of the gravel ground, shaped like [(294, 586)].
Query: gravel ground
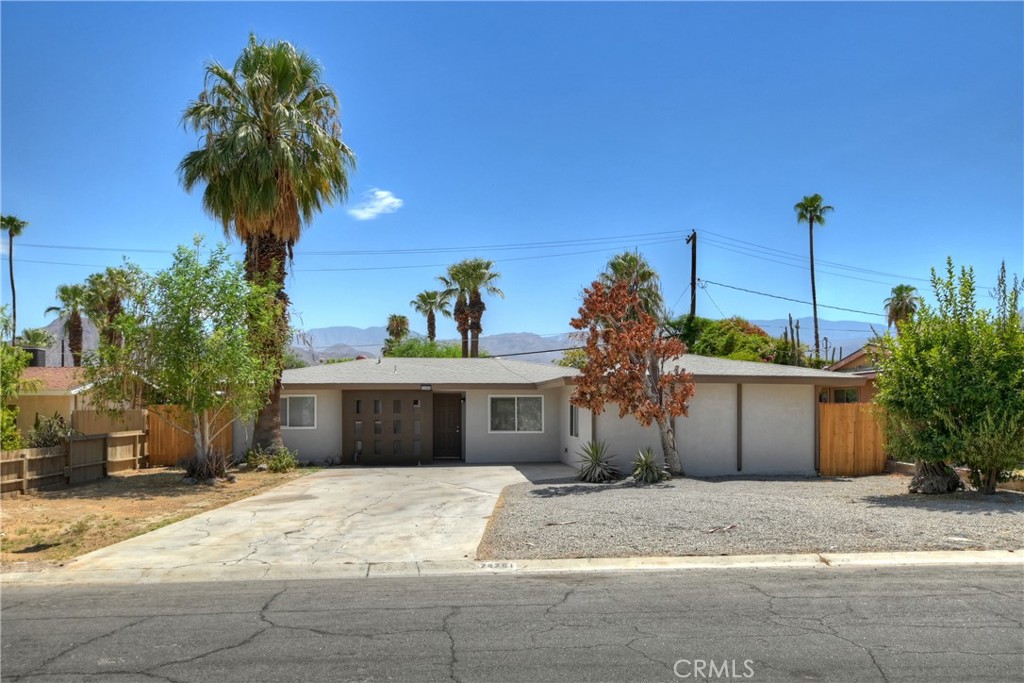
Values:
[(569, 519)]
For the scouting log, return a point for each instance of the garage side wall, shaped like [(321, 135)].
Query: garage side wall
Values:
[(572, 445), (624, 436), (778, 429), (311, 445), (484, 446)]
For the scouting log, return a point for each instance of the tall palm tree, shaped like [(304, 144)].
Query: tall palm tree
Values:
[(467, 281), (901, 305), (271, 156), (812, 210), (633, 268), (106, 297), (429, 304), (73, 301), (13, 226)]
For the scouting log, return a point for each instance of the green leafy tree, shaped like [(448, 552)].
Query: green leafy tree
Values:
[(952, 384), (195, 339), (73, 302), (572, 358), (428, 304), (466, 282), (13, 362), (901, 305), (271, 156), (13, 226), (812, 210), (424, 348)]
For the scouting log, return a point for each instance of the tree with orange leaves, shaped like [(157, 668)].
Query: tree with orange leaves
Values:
[(630, 362)]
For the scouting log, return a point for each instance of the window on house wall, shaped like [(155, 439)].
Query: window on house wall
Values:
[(574, 421), (298, 412), (517, 413)]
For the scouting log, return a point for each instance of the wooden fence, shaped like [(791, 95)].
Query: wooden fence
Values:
[(850, 440), (168, 446), (80, 459), (96, 422)]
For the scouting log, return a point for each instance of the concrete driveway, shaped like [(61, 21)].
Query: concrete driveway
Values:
[(334, 523)]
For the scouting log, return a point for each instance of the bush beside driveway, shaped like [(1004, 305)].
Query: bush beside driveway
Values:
[(744, 517)]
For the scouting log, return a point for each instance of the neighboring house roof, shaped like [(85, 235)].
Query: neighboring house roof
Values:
[(443, 373), (857, 363), (56, 381), (437, 372)]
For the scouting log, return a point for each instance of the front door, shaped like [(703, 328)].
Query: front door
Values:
[(447, 427)]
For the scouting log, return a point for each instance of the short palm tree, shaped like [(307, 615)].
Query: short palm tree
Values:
[(631, 267), (271, 156), (398, 329), (812, 210), (73, 302), (429, 304), (467, 281), (36, 338), (13, 226), (106, 294), (901, 305)]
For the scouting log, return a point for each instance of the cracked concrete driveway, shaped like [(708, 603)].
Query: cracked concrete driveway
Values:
[(334, 523)]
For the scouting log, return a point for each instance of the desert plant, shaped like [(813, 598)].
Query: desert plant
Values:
[(276, 460), (49, 431), (646, 469), (596, 467)]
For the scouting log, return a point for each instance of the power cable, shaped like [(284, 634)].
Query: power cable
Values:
[(786, 298)]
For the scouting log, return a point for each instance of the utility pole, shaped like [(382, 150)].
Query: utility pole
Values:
[(692, 240)]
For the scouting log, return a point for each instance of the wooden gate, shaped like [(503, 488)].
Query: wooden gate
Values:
[(168, 446), (850, 440)]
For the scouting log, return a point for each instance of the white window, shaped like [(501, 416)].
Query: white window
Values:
[(574, 421), (517, 414), (298, 412)]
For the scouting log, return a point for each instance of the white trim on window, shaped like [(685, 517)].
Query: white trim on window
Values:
[(286, 398), (517, 398)]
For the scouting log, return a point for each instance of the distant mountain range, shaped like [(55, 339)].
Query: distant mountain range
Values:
[(344, 341)]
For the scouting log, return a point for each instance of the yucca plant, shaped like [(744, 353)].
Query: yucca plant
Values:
[(596, 467), (646, 469)]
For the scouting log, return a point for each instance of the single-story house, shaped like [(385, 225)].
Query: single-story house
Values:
[(61, 391), (857, 364), (745, 417)]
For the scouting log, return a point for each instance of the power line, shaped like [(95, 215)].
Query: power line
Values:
[(775, 296)]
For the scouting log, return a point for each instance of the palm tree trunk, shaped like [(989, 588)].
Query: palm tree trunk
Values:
[(266, 257), (476, 315), (431, 326), (14, 298), (814, 292), (75, 338)]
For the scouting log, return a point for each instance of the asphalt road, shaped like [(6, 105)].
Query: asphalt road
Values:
[(951, 623)]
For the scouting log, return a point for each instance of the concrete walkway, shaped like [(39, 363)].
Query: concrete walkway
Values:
[(337, 522)]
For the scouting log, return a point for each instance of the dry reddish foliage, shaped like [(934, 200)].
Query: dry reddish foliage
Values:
[(627, 360)]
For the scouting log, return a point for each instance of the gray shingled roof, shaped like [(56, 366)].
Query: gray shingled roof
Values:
[(442, 371), (498, 371)]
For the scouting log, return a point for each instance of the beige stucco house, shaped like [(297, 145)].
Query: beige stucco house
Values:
[(745, 418), (858, 364), (60, 391)]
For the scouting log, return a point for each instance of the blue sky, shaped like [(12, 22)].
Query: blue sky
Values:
[(574, 129)]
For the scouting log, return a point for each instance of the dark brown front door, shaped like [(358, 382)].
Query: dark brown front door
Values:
[(447, 427)]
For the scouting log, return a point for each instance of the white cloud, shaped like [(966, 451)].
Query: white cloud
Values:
[(375, 202)]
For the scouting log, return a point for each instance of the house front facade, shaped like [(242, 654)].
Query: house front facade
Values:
[(745, 418)]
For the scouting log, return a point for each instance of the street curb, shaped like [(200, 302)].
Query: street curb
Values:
[(286, 572)]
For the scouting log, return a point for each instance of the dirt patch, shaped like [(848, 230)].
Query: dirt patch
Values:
[(47, 528)]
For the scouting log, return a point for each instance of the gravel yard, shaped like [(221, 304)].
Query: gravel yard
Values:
[(745, 517)]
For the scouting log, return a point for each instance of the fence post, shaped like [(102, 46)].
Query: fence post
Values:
[(106, 456), (67, 460), (24, 472)]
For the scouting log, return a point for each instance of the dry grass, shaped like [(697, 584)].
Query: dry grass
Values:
[(47, 528)]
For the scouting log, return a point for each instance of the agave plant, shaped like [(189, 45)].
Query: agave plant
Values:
[(596, 467), (646, 469)]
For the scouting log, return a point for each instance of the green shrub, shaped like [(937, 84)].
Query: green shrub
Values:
[(646, 469), (49, 431), (596, 467), (281, 460)]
